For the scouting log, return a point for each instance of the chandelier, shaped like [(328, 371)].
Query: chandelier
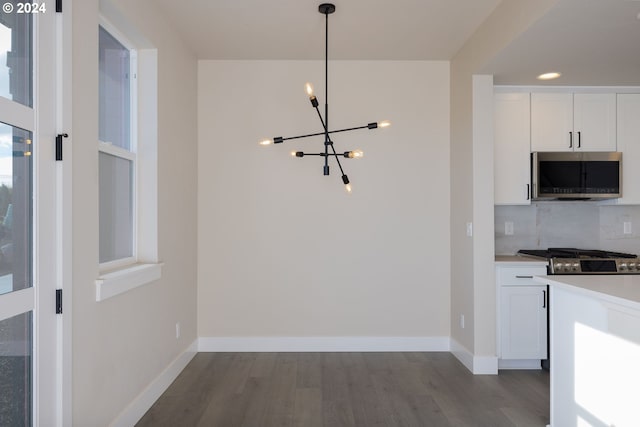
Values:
[(329, 150)]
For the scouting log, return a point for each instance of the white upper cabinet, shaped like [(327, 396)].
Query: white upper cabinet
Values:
[(551, 121), (629, 145), (511, 149), (594, 121), (573, 122)]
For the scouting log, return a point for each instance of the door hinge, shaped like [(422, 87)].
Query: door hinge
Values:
[(59, 145), (58, 301), (58, 6)]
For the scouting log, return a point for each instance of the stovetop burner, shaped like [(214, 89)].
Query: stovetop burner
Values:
[(586, 261), (574, 253)]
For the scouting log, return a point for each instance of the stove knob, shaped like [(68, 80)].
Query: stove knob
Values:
[(623, 266), (575, 266), (632, 266), (558, 267)]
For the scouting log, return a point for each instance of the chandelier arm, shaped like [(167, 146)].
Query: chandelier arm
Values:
[(324, 126), (330, 132), (336, 156), (304, 154)]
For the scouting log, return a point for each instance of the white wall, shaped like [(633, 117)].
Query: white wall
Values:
[(470, 286), (120, 345), (283, 250)]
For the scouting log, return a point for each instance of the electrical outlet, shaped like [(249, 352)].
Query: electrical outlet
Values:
[(627, 227), (508, 228), (177, 330), (462, 321)]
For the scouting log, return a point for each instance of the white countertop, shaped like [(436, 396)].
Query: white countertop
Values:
[(520, 259), (619, 289)]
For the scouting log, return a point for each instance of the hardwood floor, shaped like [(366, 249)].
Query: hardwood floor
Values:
[(347, 389)]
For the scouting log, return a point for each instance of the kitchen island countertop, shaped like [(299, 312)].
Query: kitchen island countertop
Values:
[(623, 289)]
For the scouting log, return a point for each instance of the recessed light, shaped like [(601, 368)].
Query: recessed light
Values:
[(549, 76)]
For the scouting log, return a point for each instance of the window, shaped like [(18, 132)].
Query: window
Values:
[(127, 160), (117, 151)]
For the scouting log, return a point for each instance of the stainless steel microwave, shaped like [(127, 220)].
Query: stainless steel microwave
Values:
[(576, 175)]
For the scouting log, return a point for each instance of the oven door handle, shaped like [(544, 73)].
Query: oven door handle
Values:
[(544, 299)]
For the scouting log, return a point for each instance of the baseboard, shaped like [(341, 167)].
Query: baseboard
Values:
[(478, 365), (531, 364), (321, 344), (141, 404)]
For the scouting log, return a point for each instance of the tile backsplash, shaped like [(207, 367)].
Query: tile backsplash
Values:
[(567, 224)]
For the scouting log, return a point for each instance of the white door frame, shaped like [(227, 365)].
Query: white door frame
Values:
[(64, 237), (53, 74), (52, 207), (44, 226)]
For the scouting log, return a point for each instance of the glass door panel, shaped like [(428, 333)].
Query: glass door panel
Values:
[(16, 63), (15, 209), (16, 370)]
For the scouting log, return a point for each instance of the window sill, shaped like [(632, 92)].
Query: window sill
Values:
[(125, 279)]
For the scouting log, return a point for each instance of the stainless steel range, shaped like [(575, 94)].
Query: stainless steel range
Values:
[(586, 261)]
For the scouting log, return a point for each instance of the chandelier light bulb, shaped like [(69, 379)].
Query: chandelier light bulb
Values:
[(293, 153), (266, 141), (308, 87), (356, 154), (384, 124), (348, 188)]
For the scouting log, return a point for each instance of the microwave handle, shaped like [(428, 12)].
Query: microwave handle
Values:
[(528, 192), (531, 191)]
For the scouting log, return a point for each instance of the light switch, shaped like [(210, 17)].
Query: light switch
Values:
[(627, 227)]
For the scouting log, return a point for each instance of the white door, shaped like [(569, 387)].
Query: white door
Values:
[(28, 275)]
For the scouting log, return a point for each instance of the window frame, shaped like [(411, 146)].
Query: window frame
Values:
[(131, 154), (144, 267)]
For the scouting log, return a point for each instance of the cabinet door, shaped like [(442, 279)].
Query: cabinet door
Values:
[(552, 122), (628, 118), (511, 149), (523, 323), (594, 121)]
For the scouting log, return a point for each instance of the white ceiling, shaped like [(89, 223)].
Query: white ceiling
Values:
[(592, 42), (359, 29)]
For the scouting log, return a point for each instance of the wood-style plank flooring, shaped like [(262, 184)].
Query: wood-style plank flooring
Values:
[(347, 389)]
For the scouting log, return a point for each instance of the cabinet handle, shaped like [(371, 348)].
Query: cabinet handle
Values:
[(579, 139), (544, 299), (524, 277), (570, 139), (528, 192)]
